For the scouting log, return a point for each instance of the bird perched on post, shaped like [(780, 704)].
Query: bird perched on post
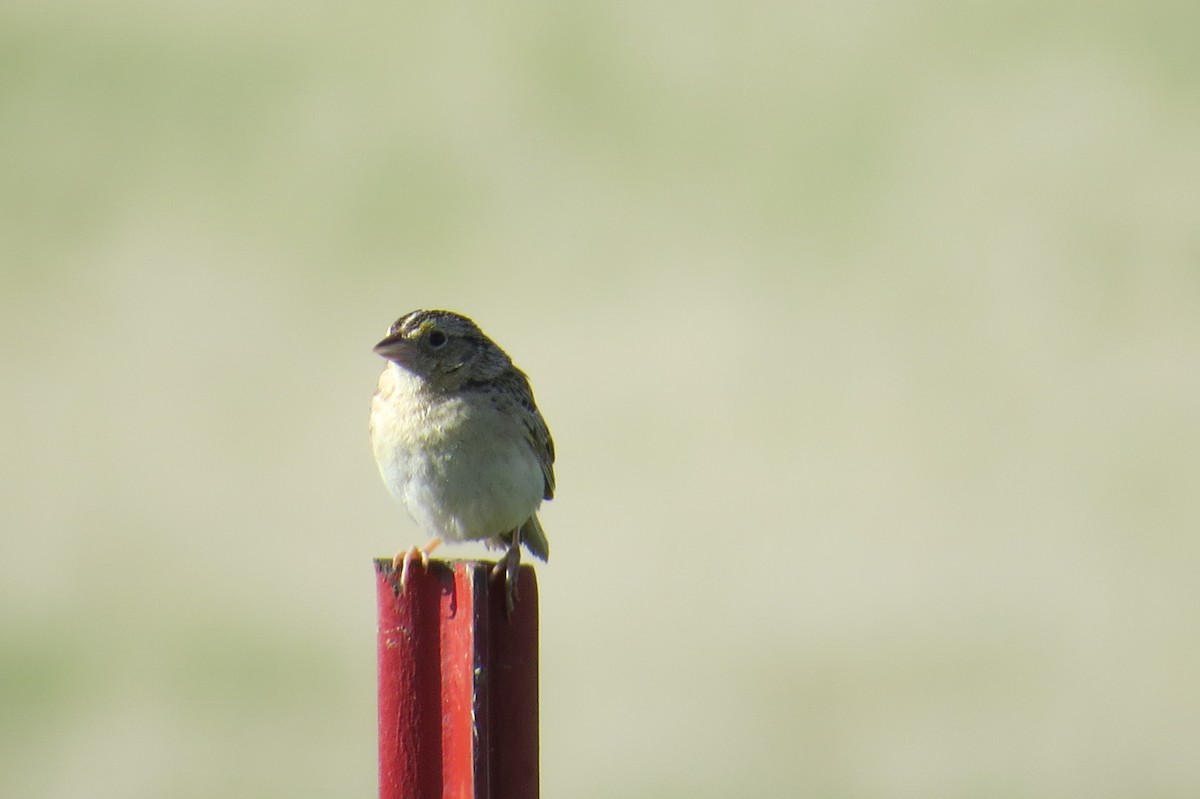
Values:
[(460, 442)]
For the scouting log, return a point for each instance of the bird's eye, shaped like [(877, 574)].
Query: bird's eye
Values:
[(436, 339)]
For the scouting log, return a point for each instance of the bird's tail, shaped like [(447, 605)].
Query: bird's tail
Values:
[(534, 538)]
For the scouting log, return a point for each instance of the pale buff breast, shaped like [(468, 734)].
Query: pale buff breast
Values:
[(462, 469)]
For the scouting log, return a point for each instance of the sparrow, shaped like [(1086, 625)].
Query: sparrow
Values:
[(460, 442)]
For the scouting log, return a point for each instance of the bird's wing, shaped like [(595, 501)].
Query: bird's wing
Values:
[(536, 432)]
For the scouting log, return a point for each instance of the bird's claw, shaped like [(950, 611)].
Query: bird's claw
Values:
[(509, 566), (403, 560)]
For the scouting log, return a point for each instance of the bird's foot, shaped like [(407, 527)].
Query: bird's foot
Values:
[(404, 558), (509, 566)]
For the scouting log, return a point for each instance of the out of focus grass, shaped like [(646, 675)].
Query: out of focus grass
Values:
[(868, 337)]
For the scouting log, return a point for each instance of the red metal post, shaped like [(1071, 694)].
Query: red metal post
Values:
[(458, 684)]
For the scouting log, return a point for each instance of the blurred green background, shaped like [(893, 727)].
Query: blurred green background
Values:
[(868, 334)]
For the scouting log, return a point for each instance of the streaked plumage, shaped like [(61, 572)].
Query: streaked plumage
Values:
[(459, 439)]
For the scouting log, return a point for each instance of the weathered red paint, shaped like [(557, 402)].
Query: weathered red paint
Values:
[(458, 685)]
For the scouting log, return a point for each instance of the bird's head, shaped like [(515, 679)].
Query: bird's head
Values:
[(443, 348)]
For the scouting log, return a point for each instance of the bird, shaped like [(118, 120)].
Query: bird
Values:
[(460, 442)]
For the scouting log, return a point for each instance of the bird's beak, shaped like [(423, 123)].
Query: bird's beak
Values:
[(395, 348)]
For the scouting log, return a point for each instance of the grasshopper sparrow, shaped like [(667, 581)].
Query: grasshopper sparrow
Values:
[(459, 440)]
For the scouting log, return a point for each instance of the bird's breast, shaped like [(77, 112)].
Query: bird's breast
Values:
[(461, 466)]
